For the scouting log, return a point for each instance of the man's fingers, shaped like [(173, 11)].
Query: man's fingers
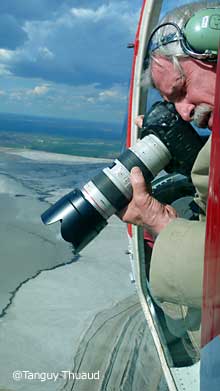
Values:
[(138, 183), (139, 121)]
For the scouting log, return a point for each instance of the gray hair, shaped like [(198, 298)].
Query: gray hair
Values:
[(173, 50)]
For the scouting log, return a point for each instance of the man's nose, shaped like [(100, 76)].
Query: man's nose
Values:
[(186, 110)]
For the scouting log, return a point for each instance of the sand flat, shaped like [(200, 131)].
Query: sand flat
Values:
[(81, 316), (50, 157)]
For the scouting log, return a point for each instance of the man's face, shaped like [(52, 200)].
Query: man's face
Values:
[(192, 93)]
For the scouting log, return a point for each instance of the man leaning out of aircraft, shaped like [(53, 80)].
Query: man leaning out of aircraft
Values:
[(177, 260)]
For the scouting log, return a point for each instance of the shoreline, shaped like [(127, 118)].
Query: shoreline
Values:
[(50, 157)]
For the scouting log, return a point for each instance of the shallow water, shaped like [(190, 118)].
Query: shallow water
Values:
[(47, 178), (59, 310), (27, 246)]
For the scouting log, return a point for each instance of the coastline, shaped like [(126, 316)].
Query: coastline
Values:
[(51, 157)]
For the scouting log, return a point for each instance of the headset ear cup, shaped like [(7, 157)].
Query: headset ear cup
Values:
[(202, 33), (199, 38)]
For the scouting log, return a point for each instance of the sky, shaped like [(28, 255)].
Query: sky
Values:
[(67, 58)]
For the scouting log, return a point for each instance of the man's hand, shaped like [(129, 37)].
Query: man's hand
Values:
[(139, 121), (143, 209)]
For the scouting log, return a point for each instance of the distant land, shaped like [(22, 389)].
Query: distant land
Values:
[(68, 136)]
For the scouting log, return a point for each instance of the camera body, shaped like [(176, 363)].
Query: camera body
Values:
[(168, 143)]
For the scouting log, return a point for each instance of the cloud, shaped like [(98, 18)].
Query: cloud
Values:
[(31, 9), (115, 96), (83, 102), (39, 90), (78, 46), (5, 54), (116, 93), (4, 71), (65, 57), (86, 13), (45, 9), (11, 33), (26, 94), (44, 52), (109, 94)]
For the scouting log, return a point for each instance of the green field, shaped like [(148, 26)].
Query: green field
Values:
[(57, 144)]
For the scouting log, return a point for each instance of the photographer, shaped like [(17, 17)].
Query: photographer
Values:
[(176, 270)]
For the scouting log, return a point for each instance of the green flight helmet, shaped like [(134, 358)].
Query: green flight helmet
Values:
[(202, 32)]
